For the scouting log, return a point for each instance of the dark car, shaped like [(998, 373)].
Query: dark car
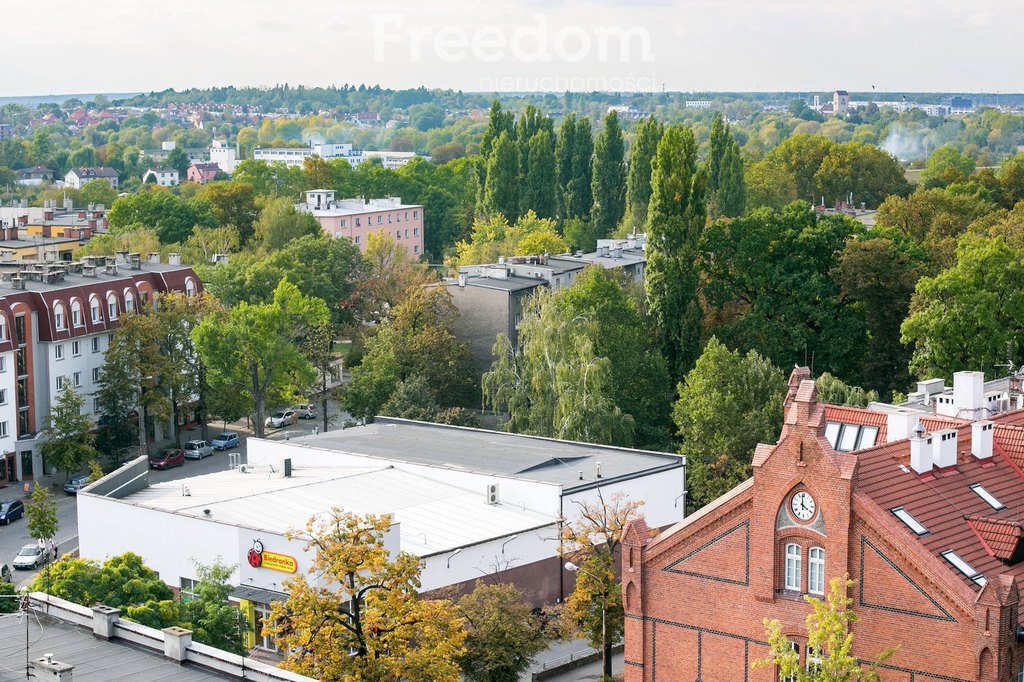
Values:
[(76, 483), (172, 457), (11, 510)]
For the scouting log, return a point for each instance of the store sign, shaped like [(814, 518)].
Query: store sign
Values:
[(258, 557)]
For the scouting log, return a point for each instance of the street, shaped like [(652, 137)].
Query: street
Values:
[(15, 535)]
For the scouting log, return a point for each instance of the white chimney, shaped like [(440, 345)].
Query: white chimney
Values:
[(462, 279), (920, 451), (49, 670), (944, 448), (174, 259), (899, 425), (981, 439), (969, 394)]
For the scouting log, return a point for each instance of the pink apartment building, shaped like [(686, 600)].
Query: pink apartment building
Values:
[(358, 218)]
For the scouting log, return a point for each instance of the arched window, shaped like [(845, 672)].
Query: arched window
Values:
[(94, 309), (76, 312), (129, 302), (816, 570), (190, 287), (60, 320), (792, 581), (111, 306)]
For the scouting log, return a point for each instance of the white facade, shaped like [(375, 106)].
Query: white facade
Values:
[(224, 156), (164, 177), (296, 156)]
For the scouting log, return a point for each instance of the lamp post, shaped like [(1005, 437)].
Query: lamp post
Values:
[(606, 663)]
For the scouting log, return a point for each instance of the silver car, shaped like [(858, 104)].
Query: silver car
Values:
[(197, 449), (30, 556)]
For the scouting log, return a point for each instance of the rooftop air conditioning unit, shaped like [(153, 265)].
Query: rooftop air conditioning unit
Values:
[(492, 493)]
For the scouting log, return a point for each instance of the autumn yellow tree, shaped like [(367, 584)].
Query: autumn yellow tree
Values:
[(392, 275), (357, 616), (591, 543), (829, 655)]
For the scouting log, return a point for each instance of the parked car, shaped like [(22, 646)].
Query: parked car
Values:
[(172, 457), (197, 449), (76, 483), (11, 510), (225, 441), (5, 574), (306, 411), (30, 556), (283, 418)]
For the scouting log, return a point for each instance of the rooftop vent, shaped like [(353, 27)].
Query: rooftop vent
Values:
[(174, 259)]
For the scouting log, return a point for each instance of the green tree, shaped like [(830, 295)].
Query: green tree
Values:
[(579, 197), (769, 184), (233, 203), (373, 625), (727, 404), (178, 160), (830, 639), (503, 635), (768, 285), (609, 177), (501, 186), (171, 216), (565, 146), (10, 601), (180, 378), (946, 166), (42, 515), (208, 614), (539, 188), (640, 381), (835, 391), (417, 341), (279, 223), (554, 384), (254, 349), (206, 242), (499, 122), (67, 436), (97, 192), (877, 276), (638, 184), (964, 317), (867, 172), (494, 237), (731, 196), (674, 226), (802, 156)]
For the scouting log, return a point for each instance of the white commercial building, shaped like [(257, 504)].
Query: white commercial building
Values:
[(224, 155), (469, 503), (296, 156)]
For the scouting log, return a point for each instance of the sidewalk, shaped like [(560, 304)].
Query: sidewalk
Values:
[(563, 655)]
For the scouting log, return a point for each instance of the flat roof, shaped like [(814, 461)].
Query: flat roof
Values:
[(495, 452), (508, 283), (94, 659), (434, 516), (76, 279)]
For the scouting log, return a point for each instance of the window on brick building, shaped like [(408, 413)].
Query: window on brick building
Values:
[(792, 678), (793, 560), (816, 570), (912, 523), (987, 496), (964, 567)]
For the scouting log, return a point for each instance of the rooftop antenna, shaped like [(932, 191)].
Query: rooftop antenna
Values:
[(1010, 366)]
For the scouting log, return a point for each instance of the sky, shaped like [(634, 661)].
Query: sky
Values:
[(65, 46)]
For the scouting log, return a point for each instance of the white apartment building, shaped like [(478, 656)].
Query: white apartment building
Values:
[(296, 156), (56, 320), (224, 155), (76, 177)]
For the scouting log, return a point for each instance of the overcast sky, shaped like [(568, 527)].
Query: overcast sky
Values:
[(65, 46)]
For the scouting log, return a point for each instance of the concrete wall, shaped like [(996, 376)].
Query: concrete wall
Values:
[(483, 314)]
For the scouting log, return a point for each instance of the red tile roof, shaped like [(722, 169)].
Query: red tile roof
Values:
[(999, 536), (956, 517)]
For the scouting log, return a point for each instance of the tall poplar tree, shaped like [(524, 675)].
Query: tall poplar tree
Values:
[(609, 177), (539, 187), (638, 184), (731, 197), (501, 188), (564, 149), (580, 195), (500, 122), (675, 222)]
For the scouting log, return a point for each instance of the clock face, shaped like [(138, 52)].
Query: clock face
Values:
[(803, 505)]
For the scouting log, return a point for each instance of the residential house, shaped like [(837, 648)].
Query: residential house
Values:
[(164, 177), (76, 177), (34, 176), (920, 504), (203, 173)]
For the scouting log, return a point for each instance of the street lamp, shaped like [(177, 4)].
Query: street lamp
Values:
[(606, 664)]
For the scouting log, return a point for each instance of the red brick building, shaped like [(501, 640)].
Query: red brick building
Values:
[(929, 526)]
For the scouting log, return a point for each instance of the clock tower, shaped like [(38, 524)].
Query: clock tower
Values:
[(802, 497)]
